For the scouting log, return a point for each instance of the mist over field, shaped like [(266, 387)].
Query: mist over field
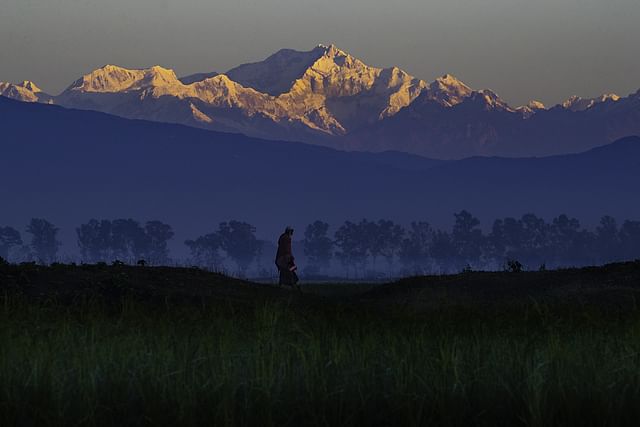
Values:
[(77, 166)]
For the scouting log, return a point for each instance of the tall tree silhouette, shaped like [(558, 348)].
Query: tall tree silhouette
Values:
[(205, 250), (569, 243), (415, 248), (607, 240), (94, 240), (129, 242), (506, 241), (318, 247), (444, 251), (630, 240), (158, 234), (44, 242), (353, 244), (239, 241), (535, 241), (9, 238), (467, 238), (386, 240)]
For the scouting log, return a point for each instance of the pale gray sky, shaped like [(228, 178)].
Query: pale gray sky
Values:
[(522, 49)]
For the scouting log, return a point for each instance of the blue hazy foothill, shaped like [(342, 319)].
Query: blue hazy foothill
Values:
[(71, 165)]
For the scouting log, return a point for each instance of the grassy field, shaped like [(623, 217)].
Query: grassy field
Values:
[(139, 346)]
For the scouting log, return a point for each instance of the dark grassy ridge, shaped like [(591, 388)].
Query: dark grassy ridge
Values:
[(91, 345), (615, 286), (111, 283)]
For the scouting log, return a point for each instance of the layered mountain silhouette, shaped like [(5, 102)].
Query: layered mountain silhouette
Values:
[(71, 165), (326, 96)]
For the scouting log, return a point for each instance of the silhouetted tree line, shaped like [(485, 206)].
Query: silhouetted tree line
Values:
[(360, 248), (234, 240), (43, 246), (124, 240), (528, 242), (98, 240)]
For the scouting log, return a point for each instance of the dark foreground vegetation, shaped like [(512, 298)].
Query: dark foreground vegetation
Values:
[(105, 345)]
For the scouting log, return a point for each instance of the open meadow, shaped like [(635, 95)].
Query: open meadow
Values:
[(104, 345)]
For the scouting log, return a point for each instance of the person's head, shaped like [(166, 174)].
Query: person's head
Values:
[(288, 230)]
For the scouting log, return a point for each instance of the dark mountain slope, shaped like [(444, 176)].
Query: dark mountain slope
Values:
[(474, 127)]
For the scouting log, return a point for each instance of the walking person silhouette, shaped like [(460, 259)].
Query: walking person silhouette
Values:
[(285, 261)]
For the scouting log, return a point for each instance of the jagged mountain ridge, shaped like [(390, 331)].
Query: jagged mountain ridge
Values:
[(475, 128), (328, 97), (324, 90), (576, 103), (255, 99)]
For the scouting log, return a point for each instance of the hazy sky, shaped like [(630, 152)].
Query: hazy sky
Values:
[(522, 49)]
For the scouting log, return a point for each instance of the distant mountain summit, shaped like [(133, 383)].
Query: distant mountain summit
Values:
[(326, 96), (276, 74), (26, 91), (292, 95), (113, 79)]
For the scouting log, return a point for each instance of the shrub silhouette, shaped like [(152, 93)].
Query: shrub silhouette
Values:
[(514, 266)]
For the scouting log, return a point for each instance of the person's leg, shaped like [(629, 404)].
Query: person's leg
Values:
[(281, 264), (295, 280), (287, 277)]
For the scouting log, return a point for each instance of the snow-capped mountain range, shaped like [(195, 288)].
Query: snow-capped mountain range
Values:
[(327, 96)]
